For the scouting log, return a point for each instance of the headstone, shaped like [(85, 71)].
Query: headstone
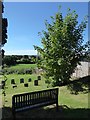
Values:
[(36, 82), (12, 81), (2, 82), (25, 84), (21, 80), (29, 80), (39, 77), (14, 86)]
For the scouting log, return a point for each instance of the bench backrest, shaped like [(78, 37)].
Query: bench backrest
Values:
[(32, 98)]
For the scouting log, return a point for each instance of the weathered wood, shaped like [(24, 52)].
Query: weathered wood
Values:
[(36, 99)]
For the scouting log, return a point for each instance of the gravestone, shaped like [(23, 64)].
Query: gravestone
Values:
[(29, 80), (25, 84), (3, 83), (14, 86), (12, 81), (21, 80), (39, 77), (36, 82)]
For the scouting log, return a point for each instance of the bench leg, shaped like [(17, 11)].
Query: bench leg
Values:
[(57, 106), (14, 115)]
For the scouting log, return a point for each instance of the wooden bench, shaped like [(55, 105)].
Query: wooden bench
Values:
[(21, 102)]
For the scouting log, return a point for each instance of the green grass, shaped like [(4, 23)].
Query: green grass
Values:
[(20, 86), (23, 66), (65, 98), (71, 100), (78, 102), (17, 78)]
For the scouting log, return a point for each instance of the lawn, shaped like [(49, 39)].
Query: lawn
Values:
[(20, 86), (72, 101), (23, 66)]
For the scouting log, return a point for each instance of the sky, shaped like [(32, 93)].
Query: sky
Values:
[(26, 19)]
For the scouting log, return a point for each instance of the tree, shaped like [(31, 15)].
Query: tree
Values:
[(9, 60), (4, 25), (62, 47), (4, 30), (26, 57), (33, 59)]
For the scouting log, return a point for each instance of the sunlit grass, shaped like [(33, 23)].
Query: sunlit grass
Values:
[(65, 98), (22, 66)]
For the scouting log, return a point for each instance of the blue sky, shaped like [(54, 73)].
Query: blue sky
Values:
[(26, 19)]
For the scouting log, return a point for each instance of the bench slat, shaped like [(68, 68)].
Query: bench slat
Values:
[(25, 101)]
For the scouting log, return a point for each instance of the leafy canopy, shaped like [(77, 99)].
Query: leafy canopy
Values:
[(62, 47)]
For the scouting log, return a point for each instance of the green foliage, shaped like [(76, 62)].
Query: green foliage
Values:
[(4, 27), (9, 60), (22, 59), (4, 40), (4, 30), (62, 47), (4, 89)]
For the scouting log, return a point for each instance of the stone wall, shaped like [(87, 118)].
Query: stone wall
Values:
[(82, 70)]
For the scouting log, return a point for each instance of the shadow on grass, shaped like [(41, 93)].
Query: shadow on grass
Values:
[(80, 85), (48, 112)]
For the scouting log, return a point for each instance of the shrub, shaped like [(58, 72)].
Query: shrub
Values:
[(28, 71), (21, 71)]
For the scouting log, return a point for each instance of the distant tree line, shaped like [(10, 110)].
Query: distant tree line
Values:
[(10, 60)]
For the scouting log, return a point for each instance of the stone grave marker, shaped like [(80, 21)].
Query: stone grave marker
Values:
[(36, 82), (3, 82), (12, 81), (39, 77), (25, 84), (29, 80), (21, 80), (14, 86)]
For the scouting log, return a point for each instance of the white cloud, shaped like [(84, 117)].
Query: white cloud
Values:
[(21, 52)]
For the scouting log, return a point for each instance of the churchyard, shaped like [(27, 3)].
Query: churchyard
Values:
[(23, 83)]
